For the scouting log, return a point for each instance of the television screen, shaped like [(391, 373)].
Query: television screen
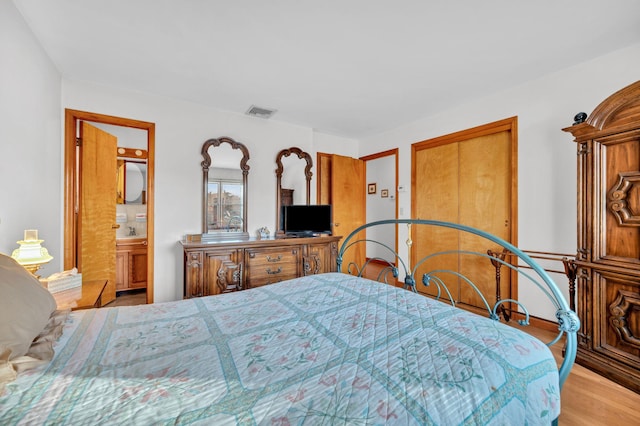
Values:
[(306, 220)]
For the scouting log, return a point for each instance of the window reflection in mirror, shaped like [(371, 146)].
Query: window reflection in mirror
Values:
[(225, 200), (225, 172)]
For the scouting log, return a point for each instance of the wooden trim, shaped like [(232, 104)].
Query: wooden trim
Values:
[(540, 323), (377, 261), (151, 200), (71, 182), (320, 172), (70, 185), (131, 153), (513, 131), (380, 154), (507, 124)]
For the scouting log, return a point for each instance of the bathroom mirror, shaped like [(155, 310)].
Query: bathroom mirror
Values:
[(293, 180), (131, 187), (224, 176)]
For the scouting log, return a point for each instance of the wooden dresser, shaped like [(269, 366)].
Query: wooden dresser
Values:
[(608, 259), (217, 267)]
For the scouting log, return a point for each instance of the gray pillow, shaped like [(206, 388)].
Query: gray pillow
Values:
[(25, 308)]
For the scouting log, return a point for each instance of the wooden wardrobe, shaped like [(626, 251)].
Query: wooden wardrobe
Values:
[(608, 255)]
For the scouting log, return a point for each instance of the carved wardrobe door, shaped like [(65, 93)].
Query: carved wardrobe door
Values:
[(608, 260)]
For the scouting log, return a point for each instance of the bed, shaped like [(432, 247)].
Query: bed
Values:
[(332, 348)]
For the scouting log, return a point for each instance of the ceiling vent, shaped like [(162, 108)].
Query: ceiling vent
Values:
[(260, 112)]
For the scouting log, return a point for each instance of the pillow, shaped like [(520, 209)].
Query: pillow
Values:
[(25, 308)]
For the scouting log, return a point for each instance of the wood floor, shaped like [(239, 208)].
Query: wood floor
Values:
[(129, 298), (590, 399), (587, 398)]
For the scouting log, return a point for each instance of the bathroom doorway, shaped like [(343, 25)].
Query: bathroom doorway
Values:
[(131, 225)]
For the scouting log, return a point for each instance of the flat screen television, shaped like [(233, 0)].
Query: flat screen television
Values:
[(306, 220)]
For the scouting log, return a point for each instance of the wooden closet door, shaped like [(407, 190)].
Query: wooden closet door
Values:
[(484, 203), (466, 178), (437, 198)]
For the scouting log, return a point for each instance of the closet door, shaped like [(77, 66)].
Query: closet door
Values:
[(484, 203), (436, 198), (466, 178)]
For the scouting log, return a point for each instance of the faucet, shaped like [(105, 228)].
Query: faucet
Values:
[(132, 230)]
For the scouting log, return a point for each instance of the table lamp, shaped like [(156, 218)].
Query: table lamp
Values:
[(31, 255)]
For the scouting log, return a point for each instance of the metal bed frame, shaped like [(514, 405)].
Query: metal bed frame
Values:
[(507, 255)]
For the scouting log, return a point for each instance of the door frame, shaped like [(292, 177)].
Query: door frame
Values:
[(71, 181), (387, 153), (323, 181)]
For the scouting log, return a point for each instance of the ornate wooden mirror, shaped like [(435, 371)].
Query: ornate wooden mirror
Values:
[(224, 179), (290, 187)]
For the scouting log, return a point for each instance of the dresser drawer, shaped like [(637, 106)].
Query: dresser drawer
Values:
[(271, 265)]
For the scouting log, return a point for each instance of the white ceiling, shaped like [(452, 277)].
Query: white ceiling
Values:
[(346, 67)]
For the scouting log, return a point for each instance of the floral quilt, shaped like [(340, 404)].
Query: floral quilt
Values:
[(320, 350)]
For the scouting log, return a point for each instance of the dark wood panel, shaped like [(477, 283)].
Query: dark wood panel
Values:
[(620, 305), (621, 241)]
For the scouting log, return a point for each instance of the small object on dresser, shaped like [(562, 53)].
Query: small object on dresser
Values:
[(61, 281), (192, 238), (263, 233)]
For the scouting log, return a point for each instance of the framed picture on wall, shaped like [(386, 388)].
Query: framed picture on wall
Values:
[(384, 193), (371, 188)]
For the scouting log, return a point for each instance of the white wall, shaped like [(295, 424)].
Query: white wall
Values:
[(181, 129), (381, 171), (30, 146), (546, 155)]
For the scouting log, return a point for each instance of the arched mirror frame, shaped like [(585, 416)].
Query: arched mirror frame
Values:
[(280, 169), (244, 167)]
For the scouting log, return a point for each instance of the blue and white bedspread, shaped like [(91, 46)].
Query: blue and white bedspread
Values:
[(325, 349)]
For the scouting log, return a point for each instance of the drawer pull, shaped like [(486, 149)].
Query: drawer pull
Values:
[(277, 271), (274, 259)]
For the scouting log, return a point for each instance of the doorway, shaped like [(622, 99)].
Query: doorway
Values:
[(382, 204), (75, 186), (342, 182)]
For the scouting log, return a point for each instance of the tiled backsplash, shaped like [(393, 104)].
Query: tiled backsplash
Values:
[(139, 224)]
